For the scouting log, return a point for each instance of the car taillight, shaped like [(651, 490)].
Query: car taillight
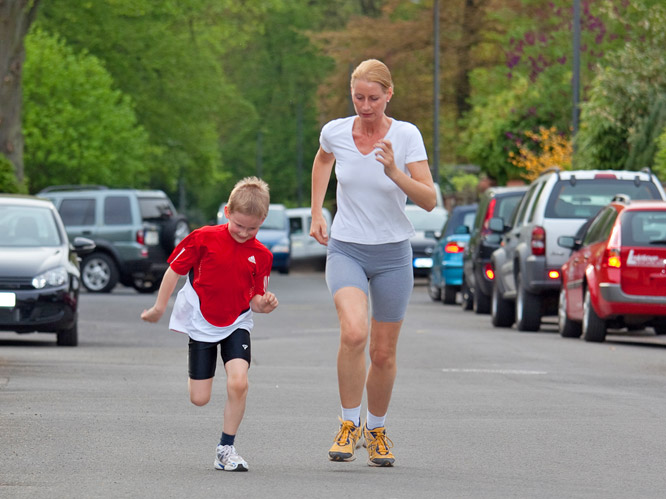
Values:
[(489, 272), (605, 175), (489, 214), (554, 274), (538, 241), (612, 258), (140, 236), (454, 247)]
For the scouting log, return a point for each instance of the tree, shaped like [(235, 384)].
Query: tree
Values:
[(16, 16), (77, 127)]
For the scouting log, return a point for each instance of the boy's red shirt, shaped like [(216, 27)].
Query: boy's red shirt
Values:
[(227, 274)]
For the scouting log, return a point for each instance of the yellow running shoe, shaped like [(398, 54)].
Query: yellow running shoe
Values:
[(346, 441), (379, 445)]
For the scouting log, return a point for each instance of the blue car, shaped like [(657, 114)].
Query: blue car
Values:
[(446, 275), (274, 234)]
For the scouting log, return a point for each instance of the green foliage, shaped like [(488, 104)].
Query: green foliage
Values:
[(625, 112), (8, 182), (77, 127)]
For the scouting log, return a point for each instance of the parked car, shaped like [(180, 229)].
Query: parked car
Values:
[(274, 234), (134, 232), (428, 226), (478, 274), (304, 247), (39, 269), (528, 263), (616, 274), (445, 276)]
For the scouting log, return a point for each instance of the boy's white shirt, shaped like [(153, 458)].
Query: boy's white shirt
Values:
[(186, 317)]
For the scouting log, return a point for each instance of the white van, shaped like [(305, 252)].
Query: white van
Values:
[(303, 246)]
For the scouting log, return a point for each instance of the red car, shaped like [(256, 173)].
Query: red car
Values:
[(616, 274)]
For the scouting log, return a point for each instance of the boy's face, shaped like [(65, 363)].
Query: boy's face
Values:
[(242, 227)]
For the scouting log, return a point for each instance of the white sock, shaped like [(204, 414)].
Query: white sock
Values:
[(373, 421), (353, 415)]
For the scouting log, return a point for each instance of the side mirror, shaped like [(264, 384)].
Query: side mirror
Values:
[(497, 225), (461, 229), (83, 245), (567, 242)]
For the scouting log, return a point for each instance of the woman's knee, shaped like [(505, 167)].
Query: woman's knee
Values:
[(354, 336), (383, 358)]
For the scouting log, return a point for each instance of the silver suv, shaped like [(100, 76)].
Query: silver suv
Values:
[(527, 265), (135, 231)]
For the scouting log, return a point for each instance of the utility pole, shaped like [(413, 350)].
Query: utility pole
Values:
[(575, 80), (435, 103)]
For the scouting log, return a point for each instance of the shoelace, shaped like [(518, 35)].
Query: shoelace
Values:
[(380, 443), (227, 451), (346, 429)]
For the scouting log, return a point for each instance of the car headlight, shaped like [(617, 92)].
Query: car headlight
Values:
[(53, 277), (282, 246)]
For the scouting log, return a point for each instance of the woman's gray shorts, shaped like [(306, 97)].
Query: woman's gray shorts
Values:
[(384, 269)]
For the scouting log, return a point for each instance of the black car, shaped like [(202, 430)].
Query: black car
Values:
[(478, 274), (39, 269)]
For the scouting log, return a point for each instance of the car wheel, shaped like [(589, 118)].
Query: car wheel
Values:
[(284, 270), (467, 296), (435, 292), (449, 295), (146, 286), (502, 312), (659, 330), (174, 232), (594, 328), (99, 273), (481, 303), (68, 337), (528, 308), (568, 328)]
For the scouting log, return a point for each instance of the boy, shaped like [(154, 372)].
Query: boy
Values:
[(228, 272)]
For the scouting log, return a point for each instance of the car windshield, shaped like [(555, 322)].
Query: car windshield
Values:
[(584, 198), (275, 220), (27, 227), (425, 220)]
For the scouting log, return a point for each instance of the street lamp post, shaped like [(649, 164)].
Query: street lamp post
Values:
[(435, 103), (575, 80)]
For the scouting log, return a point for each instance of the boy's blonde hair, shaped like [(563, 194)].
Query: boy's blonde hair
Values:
[(250, 196)]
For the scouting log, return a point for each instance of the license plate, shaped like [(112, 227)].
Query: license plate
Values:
[(152, 238), (7, 299)]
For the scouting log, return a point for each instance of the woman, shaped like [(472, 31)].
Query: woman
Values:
[(379, 162)]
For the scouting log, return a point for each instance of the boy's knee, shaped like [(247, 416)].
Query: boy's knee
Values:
[(199, 399)]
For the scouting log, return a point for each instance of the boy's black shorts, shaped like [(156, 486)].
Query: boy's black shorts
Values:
[(202, 357)]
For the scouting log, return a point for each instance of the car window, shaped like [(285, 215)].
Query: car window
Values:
[(505, 206), (27, 227), (600, 227), (585, 197), (77, 211), (644, 228), (154, 208), (117, 210), (468, 220), (274, 220), (459, 217), (527, 199), (536, 201), (296, 225)]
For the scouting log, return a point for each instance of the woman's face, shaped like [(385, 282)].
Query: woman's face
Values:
[(370, 99)]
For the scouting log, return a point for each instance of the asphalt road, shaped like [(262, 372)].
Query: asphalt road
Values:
[(477, 412)]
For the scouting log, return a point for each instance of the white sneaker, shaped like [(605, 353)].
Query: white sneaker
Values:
[(227, 459)]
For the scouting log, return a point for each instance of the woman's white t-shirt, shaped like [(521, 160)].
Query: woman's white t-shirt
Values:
[(370, 206)]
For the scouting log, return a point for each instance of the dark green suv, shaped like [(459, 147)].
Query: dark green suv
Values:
[(134, 230)]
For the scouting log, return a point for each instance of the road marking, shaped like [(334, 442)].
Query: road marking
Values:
[(494, 371)]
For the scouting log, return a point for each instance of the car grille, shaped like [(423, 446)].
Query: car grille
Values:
[(15, 283)]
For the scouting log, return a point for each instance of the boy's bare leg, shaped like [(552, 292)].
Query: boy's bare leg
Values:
[(200, 390), (352, 307), (237, 387)]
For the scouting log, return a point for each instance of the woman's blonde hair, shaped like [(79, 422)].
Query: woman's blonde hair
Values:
[(250, 196), (374, 71)]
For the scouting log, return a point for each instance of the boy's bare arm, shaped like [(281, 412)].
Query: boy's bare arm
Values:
[(264, 304), (167, 286)]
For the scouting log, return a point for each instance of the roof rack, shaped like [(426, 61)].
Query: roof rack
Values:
[(621, 198), (79, 187), (555, 169)]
